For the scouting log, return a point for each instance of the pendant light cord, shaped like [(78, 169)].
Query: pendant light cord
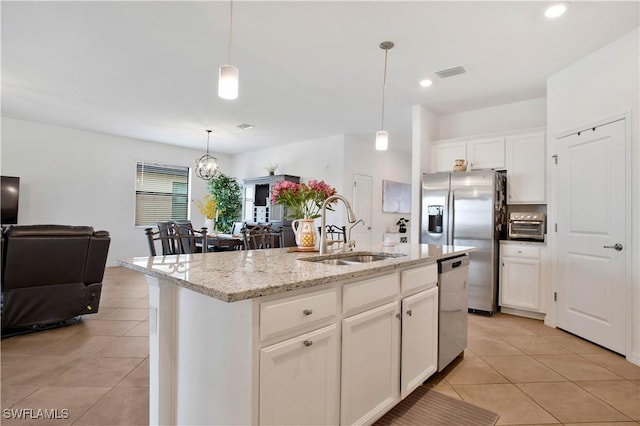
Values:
[(384, 87), (208, 134), (230, 31)]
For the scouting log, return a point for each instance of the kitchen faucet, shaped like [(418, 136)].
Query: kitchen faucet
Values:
[(351, 216)]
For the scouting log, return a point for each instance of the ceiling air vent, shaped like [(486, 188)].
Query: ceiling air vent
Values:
[(450, 72), (245, 126)]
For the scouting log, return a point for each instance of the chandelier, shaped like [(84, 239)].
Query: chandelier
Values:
[(207, 165)]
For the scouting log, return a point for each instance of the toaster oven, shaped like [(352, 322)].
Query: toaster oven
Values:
[(527, 226)]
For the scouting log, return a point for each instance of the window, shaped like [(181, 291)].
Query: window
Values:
[(162, 193)]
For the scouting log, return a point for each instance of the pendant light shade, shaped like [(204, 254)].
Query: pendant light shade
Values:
[(382, 137), (228, 82), (207, 165), (382, 140), (228, 77)]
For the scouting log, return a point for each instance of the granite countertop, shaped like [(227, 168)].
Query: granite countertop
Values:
[(239, 275)]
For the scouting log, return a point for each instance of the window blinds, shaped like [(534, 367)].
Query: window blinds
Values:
[(162, 193)]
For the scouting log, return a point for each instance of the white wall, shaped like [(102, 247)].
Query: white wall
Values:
[(319, 159), (515, 116), (362, 158), (75, 177), (601, 85)]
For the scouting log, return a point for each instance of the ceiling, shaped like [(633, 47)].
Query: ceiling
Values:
[(308, 69)]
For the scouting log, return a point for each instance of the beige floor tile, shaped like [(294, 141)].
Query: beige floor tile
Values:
[(97, 371), (66, 404), (621, 395), (536, 326), (577, 345), (134, 314), (484, 345), (141, 330), (13, 394), (523, 369), (473, 370), (615, 363), (138, 377), (513, 406), (536, 345), (106, 328), (115, 302), (499, 325), (568, 402), (574, 367), (33, 371), (80, 345), (121, 406), (127, 347), (36, 343), (604, 424)]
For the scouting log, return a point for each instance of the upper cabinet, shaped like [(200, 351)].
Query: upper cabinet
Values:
[(526, 170), (484, 153), (487, 153), (257, 205), (522, 155), (444, 156)]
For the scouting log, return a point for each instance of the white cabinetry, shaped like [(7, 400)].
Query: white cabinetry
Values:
[(299, 380), (299, 376), (522, 278), (444, 156), (370, 364), (526, 169), (419, 339), (486, 153), (482, 153)]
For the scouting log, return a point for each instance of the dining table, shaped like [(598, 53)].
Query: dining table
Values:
[(221, 241)]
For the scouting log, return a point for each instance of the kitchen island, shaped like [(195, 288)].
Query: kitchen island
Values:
[(272, 337)]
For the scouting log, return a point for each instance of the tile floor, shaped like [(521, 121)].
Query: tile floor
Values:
[(528, 373)]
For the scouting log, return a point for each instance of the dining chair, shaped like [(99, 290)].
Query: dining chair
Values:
[(261, 237), (167, 238), (190, 240)]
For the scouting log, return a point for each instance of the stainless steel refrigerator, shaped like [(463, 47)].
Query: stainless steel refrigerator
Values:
[(468, 209)]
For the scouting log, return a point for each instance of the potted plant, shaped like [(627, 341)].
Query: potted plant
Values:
[(402, 225), (228, 195)]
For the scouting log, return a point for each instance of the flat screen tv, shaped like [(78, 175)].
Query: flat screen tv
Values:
[(9, 202)]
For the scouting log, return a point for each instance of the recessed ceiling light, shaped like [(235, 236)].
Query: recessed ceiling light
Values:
[(555, 11), (245, 126), (426, 82)]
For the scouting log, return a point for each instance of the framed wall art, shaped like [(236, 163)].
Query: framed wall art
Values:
[(396, 197)]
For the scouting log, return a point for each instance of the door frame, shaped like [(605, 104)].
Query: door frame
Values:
[(632, 305)]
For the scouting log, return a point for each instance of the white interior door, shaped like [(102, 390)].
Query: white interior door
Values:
[(591, 261), (362, 207)]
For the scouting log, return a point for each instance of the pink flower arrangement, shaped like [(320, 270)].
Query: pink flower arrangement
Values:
[(304, 200)]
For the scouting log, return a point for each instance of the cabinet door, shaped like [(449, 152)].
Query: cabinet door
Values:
[(526, 169), (370, 364), (520, 283), (485, 153), (444, 156), (419, 339), (299, 380)]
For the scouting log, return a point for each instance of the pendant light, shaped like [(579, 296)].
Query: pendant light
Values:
[(228, 75), (207, 165), (382, 136)]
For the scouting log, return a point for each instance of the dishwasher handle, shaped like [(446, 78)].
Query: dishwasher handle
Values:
[(450, 264)]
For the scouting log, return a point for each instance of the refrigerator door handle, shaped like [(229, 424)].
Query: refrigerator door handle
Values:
[(450, 217)]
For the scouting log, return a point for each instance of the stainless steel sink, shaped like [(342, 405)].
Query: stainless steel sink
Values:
[(356, 258)]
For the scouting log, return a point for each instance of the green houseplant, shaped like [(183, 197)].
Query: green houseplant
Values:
[(228, 193)]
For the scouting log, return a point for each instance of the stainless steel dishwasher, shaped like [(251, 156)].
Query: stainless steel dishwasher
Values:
[(453, 274)]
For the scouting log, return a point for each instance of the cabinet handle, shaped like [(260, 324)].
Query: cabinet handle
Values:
[(398, 316), (308, 342), (409, 312), (307, 312)]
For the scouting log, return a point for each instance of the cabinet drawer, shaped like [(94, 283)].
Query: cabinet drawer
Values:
[(419, 278), (369, 293), (300, 313), (520, 250)]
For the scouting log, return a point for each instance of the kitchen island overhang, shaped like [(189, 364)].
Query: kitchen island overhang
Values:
[(205, 322)]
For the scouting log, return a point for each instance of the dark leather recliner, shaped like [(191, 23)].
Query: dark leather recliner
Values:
[(51, 273)]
